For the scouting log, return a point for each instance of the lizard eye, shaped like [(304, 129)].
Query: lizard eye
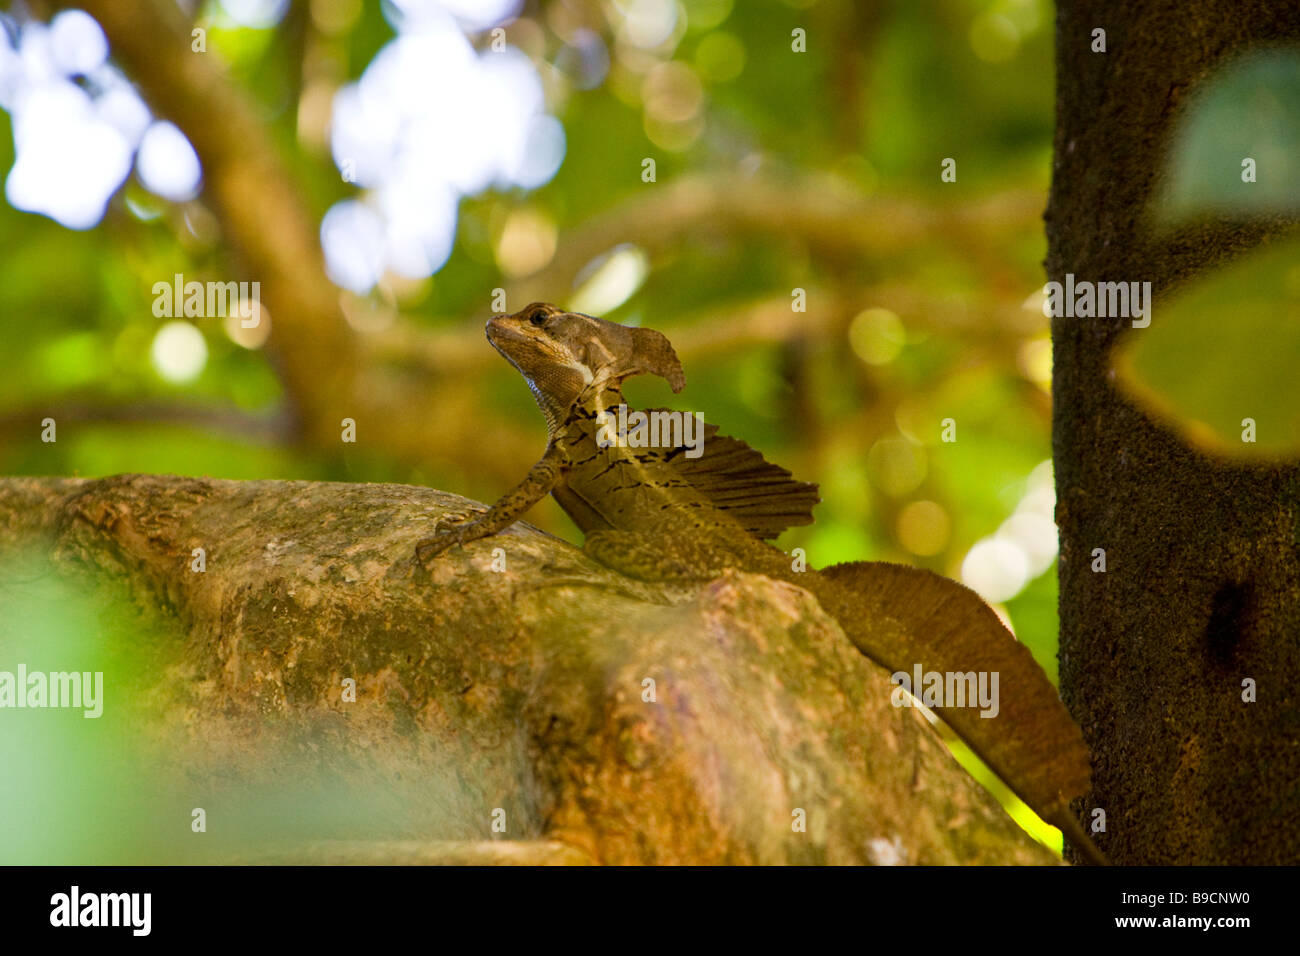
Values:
[(538, 318)]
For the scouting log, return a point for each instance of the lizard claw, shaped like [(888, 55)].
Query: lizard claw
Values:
[(429, 548), (454, 519), (450, 529)]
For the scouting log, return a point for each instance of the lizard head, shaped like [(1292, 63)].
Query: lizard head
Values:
[(564, 354)]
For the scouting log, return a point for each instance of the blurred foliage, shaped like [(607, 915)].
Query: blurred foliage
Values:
[(1222, 349), (1248, 110), (82, 790), (884, 93), (86, 779)]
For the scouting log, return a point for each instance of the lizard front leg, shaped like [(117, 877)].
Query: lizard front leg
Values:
[(541, 479)]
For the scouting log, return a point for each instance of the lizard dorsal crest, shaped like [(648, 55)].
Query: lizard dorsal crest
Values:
[(765, 498)]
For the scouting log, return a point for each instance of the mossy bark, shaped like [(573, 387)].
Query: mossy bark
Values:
[(515, 693), (1202, 583)]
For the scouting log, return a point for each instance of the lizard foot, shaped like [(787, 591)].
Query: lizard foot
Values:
[(450, 529), (429, 548)]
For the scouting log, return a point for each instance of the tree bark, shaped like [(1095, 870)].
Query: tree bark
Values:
[(1202, 585), (517, 697)]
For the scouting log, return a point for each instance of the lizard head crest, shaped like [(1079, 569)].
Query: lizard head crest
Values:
[(561, 353)]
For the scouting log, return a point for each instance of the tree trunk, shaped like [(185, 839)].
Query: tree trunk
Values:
[(514, 703), (1201, 588)]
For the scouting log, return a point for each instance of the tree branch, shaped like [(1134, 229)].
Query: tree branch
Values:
[(627, 724)]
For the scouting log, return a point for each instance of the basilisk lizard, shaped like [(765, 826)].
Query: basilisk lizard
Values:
[(658, 514)]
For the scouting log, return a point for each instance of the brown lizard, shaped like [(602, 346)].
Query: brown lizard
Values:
[(667, 512)]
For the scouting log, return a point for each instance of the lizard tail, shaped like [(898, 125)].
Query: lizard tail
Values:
[(911, 621)]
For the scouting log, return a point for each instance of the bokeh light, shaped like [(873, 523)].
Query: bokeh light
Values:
[(429, 121), (77, 123), (526, 244), (994, 37), (645, 23), (248, 324), (707, 14), (876, 336), (672, 92), (720, 57), (609, 280), (1034, 359), (68, 161), (584, 59), (995, 569), (1024, 546), (472, 14), (179, 352), (896, 466), (923, 528), (77, 44), (352, 235), (255, 14), (167, 162)]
